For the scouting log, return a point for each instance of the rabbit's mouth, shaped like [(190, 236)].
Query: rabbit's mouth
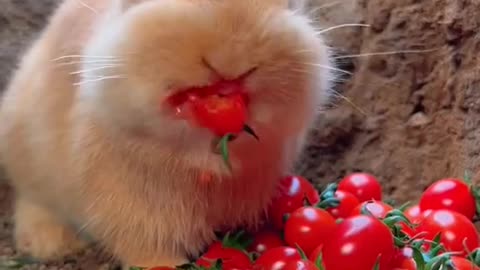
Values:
[(220, 88), (221, 92)]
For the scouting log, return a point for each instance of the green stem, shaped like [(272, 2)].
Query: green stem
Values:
[(224, 149)]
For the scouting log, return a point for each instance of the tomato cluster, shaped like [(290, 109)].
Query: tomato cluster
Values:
[(349, 227)]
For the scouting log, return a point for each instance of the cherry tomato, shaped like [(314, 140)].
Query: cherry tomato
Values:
[(455, 228), (347, 203), (359, 242), (308, 227), (264, 241), (220, 114), (364, 186), (300, 265), (413, 212), (276, 258), (292, 192), (232, 259), (377, 208), (450, 193), (403, 260), (460, 263)]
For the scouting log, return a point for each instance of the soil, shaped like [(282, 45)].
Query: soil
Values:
[(409, 118)]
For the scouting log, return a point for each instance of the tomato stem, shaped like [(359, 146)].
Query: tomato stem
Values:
[(250, 131), (328, 203), (474, 257), (377, 263), (224, 149), (238, 241), (302, 253), (319, 261), (327, 197)]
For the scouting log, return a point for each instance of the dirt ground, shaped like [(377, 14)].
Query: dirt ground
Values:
[(415, 114)]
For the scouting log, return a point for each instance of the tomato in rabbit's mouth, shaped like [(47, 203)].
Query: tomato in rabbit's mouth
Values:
[(220, 107)]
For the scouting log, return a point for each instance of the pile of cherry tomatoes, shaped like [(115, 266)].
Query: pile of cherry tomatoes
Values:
[(348, 227)]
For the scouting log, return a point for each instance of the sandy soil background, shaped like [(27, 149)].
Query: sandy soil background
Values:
[(417, 112)]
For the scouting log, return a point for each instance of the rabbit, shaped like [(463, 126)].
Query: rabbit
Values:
[(95, 155)]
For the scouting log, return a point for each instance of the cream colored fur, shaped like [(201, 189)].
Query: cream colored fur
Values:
[(91, 149)]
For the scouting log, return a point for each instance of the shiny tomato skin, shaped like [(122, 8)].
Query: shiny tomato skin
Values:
[(454, 228), (347, 201), (449, 193), (359, 240), (377, 208), (265, 240), (300, 265), (308, 227), (292, 191), (403, 260), (232, 259), (276, 258), (413, 212), (220, 114), (460, 263), (363, 185)]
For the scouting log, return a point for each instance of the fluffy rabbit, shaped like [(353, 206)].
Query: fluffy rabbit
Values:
[(92, 150)]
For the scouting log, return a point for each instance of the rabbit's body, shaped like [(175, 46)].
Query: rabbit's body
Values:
[(90, 149)]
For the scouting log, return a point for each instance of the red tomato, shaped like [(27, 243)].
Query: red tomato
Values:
[(460, 263), (291, 194), (377, 208), (308, 227), (452, 194), (364, 186), (276, 258), (232, 259), (347, 203), (264, 241), (300, 265), (359, 242), (403, 260), (413, 212), (220, 114), (454, 229)]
